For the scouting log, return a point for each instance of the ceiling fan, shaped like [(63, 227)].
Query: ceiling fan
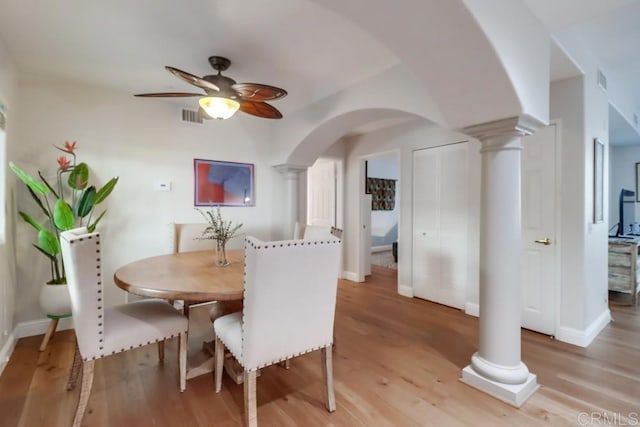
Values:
[(223, 96)]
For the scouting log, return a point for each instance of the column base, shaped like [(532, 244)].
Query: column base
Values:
[(513, 394)]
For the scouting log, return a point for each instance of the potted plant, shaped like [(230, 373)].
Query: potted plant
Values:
[(64, 208), (220, 231)]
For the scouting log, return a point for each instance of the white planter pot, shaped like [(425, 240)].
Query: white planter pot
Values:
[(55, 300)]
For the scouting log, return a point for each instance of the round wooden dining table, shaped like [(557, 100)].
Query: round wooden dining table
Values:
[(189, 276), (194, 278)]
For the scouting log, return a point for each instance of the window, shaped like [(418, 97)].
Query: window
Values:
[(3, 150)]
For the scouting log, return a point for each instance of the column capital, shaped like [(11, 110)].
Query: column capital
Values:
[(508, 128), (290, 171)]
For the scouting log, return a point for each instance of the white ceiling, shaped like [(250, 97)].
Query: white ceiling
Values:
[(294, 44), (610, 30), (125, 44)]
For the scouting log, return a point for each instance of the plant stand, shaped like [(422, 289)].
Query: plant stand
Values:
[(52, 328)]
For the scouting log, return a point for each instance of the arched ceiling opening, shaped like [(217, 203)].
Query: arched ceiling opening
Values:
[(461, 66)]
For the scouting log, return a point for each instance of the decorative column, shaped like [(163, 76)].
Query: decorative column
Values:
[(291, 175), (496, 368)]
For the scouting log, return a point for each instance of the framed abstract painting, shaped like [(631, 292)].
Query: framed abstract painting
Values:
[(218, 183)]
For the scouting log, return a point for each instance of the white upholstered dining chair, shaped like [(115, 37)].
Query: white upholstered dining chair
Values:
[(185, 237), (289, 307), (102, 331)]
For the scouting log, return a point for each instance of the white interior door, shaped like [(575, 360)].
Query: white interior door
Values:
[(539, 246), (365, 236), (440, 209), (322, 193)]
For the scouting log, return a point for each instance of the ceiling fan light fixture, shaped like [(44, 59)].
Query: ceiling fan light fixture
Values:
[(218, 107)]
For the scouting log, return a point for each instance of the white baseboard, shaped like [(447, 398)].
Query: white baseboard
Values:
[(7, 351), (350, 275), (28, 329), (405, 291), (39, 327), (382, 248), (583, 338), (472, 309)]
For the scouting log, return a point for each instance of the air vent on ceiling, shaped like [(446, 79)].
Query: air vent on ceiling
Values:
[(602, 81), (191, 116)]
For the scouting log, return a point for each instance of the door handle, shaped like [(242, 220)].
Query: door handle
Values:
[(546, 241)]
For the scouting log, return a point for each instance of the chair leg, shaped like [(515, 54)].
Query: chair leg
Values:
[(75, 369), (52, 329), (161, 351), (182, 358), (219, 359), (327, 376), (85, 391), (250, 403)]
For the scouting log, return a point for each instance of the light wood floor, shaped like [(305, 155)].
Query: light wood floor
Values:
[(397, 363)]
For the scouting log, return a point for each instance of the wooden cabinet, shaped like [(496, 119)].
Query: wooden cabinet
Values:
[(623, 270)]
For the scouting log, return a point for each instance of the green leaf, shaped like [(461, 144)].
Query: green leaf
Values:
[(79, 177), (48, 242), (92, 227), (63, 215), (35, 224), (48, 255), (86, 202), (39, 202), (36, 186), (48, 186), (105, 191)]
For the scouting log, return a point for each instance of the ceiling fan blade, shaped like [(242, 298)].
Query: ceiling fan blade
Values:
[(260, 109), (259, 92), (191, 79), (168, 94)]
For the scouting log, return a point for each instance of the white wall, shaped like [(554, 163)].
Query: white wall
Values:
[(140, 141), (384, 224), (567, 97), (582, 111), (596, 109), (8, 92), (405, 139)]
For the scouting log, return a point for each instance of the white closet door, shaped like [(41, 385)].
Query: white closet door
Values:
[(440, 209)]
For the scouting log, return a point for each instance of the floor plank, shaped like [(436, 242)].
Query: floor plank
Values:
[(397, 362)]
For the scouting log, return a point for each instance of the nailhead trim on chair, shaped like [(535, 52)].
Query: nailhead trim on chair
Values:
[(132, 347), (298, 242), (101, 313)]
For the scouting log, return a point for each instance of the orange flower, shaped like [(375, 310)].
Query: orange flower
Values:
[(70, 146), (64, 163)]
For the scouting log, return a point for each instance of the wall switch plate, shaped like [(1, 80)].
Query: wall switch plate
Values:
[(162, 185)]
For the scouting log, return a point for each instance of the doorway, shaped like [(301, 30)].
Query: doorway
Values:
[(382, 173)]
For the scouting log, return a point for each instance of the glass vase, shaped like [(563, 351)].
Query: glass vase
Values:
[(221, 254)]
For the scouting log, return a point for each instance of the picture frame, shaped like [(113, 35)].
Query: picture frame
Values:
[(367, 190), (222, 183), (598, 181)]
